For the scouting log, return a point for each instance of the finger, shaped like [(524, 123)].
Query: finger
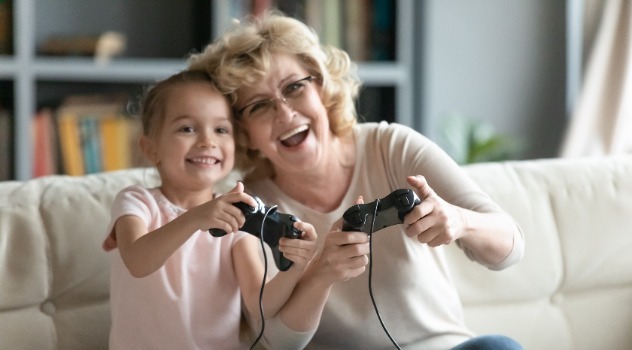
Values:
[(345, 238), (421, 186), (360, 200), (239, 187), (308, 231)]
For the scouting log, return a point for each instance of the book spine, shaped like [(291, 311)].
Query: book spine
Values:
[(69, 139)]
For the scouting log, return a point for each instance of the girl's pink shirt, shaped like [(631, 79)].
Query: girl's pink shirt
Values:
[(192, 302)]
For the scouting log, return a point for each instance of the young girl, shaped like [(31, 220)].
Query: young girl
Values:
[(173, 285)]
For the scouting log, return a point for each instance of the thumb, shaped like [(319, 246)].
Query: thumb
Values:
[(421, 186), (360, 200), (239, 187)]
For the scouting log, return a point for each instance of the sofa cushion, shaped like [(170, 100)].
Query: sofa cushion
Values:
[(573, 289), (55, 276)]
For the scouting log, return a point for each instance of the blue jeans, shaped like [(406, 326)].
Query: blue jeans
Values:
[(489, 342)]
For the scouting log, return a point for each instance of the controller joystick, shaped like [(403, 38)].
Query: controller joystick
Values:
[(276, 225), (390, 211)]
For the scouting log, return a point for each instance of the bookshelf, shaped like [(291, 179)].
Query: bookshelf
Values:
[(159, 37)]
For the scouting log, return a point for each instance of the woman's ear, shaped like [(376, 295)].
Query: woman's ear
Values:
[(147, 148)]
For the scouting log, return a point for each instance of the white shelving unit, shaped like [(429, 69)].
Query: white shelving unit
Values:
[(25, 70)]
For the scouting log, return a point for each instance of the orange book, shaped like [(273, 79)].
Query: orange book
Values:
[(115, 135), (70, 142)]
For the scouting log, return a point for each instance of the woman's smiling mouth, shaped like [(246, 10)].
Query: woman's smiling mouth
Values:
[(294, 136)]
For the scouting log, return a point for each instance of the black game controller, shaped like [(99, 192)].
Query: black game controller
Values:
[(276, 225), (390, 211)]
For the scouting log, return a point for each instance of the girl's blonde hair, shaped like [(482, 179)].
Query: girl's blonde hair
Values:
[(242, 57)]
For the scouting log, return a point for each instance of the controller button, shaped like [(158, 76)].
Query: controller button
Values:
[(405, 201)]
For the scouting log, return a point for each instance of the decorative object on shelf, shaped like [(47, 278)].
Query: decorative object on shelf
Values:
[(102, 47)]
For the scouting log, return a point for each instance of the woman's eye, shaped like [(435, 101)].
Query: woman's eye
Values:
[(293, 89), (260, 106)]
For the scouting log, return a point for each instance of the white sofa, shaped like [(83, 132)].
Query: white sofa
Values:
[(572, 290)]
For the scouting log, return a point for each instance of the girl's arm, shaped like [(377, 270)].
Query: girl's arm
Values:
[(144, 252), (250, 270)]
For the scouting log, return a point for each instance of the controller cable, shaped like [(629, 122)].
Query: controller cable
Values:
[(263, 281), (377, 312)]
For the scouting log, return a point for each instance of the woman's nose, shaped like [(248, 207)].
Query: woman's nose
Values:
[(284, 110)]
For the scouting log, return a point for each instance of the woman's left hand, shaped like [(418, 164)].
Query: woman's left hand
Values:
[(434, 221)]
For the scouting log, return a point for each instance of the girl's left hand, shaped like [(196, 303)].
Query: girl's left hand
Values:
[(434, 221), (300, 251)]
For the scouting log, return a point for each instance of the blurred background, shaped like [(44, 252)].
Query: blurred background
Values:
[(486, 79)]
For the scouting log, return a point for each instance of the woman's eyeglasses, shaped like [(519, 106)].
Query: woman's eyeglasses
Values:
[(264, 109)]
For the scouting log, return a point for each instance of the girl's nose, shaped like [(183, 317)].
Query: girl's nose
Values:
[(206, 141)]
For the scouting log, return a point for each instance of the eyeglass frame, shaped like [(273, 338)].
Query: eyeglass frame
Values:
[(283, 97)]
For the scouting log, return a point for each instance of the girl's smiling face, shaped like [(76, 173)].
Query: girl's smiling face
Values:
[(194, 148)]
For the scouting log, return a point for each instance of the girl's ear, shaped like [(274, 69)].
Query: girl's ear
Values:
[(147, 148)]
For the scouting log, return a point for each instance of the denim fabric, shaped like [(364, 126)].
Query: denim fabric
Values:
[(489, 342)]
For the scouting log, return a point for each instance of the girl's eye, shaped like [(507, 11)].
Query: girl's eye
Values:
[(222, 130), (186, 129)]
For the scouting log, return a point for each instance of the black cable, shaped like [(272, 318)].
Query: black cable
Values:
[(263, 282), (377, 312)]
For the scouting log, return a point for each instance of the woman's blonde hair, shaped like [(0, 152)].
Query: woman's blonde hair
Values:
[(242, 57)]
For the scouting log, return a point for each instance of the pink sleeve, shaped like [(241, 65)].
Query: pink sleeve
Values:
[(134, 200)]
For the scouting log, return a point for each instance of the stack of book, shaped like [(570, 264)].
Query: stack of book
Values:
[(84, 135)]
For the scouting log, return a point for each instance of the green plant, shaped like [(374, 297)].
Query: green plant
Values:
[(472, 141)]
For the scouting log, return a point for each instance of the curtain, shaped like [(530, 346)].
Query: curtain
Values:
[(601, 122)]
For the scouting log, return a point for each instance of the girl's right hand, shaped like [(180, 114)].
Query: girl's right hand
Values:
[(221, 212)]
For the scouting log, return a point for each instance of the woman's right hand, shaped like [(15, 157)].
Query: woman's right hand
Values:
[(345, 254)]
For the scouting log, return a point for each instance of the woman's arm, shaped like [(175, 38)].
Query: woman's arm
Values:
[(491, 238)]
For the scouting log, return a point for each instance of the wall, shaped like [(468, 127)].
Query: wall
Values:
[(501, 61)]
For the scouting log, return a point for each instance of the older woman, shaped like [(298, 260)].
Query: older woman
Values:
[(304, 151)]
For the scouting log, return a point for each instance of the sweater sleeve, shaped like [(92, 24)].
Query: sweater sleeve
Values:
[(278, 336), (410, 153)]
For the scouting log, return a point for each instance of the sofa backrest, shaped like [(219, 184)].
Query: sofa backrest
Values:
[(572, 290)]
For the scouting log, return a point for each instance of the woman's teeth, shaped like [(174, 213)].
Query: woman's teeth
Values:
[(293, 132)]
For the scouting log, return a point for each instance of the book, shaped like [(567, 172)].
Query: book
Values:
[(117, 142), (44, 144), (70, 141), (383, 31), (357, 15), (331, 21), (6, 142), (90, 139), (95, 134), (6, 27)]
